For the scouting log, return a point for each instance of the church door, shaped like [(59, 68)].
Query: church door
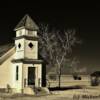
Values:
[(31, 75)]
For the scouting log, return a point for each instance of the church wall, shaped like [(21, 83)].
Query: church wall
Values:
[(20, 32), (39, 75), (31, 33), (17, 83), (19, 51), (6, 73), (31, 53)]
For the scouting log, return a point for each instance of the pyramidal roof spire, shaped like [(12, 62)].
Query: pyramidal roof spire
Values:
[(27, 23)]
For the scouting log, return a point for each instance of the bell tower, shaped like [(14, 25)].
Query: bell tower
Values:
[(28, 69), (26, 39)]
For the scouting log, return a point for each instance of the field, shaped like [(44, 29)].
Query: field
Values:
[(67, 80)]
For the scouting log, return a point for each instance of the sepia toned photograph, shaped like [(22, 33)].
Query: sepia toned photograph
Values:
[(49, 50)]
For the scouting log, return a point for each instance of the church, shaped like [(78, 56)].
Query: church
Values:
[(21, 69)]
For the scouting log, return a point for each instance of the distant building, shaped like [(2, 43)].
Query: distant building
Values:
[(95, 78), (20, 67)]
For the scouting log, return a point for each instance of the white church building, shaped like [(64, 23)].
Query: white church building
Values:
[(20, 67)]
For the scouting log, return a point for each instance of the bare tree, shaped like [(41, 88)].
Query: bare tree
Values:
[(56, 46), (47, 43)]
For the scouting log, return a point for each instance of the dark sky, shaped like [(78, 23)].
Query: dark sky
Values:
[(84, 16)]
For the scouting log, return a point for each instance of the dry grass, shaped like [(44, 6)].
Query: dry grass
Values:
[(73, 94)]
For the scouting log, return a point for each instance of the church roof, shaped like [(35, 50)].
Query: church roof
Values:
[(6, 51), (5, 48), (27, 23)]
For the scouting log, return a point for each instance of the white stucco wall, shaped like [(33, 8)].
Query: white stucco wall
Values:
[(26, 32), (25, 51), (20, 32), (6, 73), (19, 51), (31, 53), (39, 75), (17, 84), (31, 33)]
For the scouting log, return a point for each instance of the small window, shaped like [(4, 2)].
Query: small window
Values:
[(30, 45), (17, 70), (19, 45)]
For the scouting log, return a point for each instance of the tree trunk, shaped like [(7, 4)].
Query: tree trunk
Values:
[(59, 78)]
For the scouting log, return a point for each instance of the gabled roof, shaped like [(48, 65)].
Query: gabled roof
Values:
[(5, 48), (27, 23), (6, 51)]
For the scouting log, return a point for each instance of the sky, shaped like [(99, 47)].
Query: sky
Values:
[(84, 16)]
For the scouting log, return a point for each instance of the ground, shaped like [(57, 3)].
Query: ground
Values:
[(89, 93)]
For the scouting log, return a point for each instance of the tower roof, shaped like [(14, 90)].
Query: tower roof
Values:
[(27, 23)]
